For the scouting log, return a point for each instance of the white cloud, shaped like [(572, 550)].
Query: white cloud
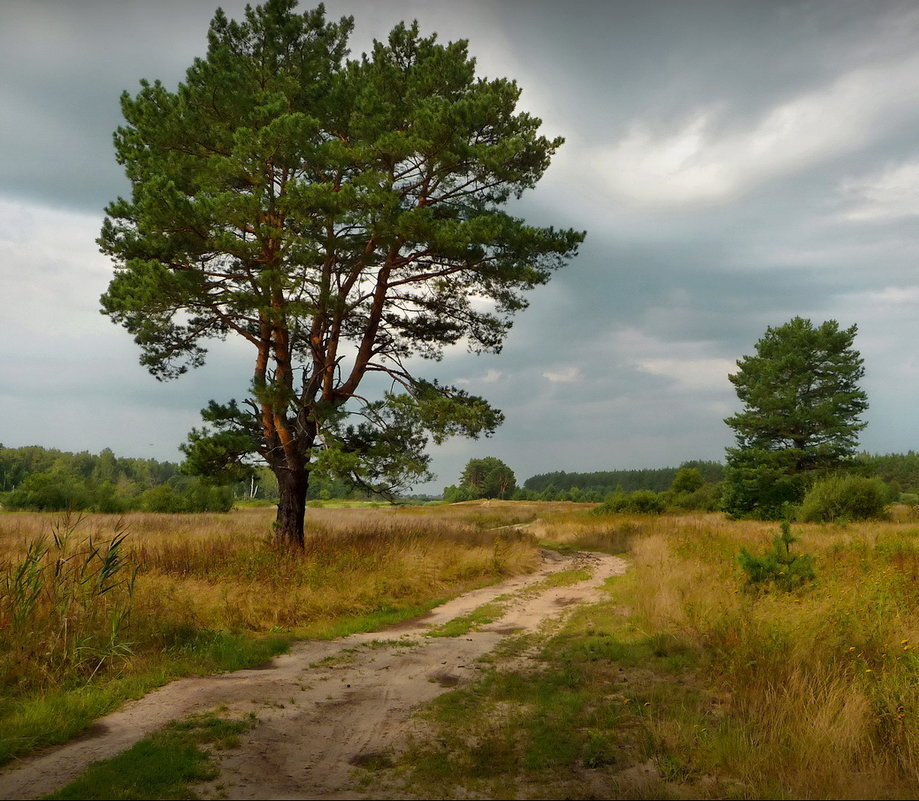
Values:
[(698, 162), (691, 373), (51, 271), (563, 376), (492, 376), (895, 295), (690, 365), (891, 194)]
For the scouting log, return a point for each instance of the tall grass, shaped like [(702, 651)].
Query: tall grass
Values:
[(102, 600), (64, 606), (690, 683), (820, 686)]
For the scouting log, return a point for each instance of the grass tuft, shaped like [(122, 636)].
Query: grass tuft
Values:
[(164, 765)]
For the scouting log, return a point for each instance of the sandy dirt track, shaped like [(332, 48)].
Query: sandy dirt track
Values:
[(325, 707)]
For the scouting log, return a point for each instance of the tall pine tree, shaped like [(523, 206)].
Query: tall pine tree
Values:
[(800, 418), (340, 216)]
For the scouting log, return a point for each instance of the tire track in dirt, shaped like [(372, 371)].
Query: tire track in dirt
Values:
[(327, 706)]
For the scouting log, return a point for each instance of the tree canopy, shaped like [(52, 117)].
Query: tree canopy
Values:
[(487, 477), (343, 217), (801, 414)]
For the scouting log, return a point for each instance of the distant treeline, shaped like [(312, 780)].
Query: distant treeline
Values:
[(900, 471), (604, 482), (46, 479)]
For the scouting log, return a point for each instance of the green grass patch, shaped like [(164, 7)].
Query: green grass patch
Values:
[(564, 578), (482, 616), (510, 725), (371, 621), (514, 646), (164, 765)]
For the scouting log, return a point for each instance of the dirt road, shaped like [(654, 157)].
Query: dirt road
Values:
[(325, 707)]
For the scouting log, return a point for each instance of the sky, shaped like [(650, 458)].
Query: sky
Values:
[(734, 163)]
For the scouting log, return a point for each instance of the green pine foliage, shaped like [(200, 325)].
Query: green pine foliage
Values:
[(898, 470), (607, 481), (339, 215), (777, 566), (639, 502), (800, 418)]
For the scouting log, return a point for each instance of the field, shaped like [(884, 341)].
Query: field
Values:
[(683, 682), (99, 608)]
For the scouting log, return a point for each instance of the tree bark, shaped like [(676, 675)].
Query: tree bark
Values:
[(288, 526)]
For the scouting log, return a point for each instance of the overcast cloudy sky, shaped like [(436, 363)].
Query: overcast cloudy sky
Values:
[(734, 163)]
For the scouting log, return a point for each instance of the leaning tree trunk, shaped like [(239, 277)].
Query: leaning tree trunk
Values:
[(288, 526)]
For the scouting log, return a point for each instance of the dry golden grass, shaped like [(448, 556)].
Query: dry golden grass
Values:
[(823, 683), (817, 691), (216, 572)]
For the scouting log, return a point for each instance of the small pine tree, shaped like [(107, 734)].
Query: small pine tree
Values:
[(777, 566)]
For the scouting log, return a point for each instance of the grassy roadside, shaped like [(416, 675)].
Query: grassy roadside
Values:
[(576, 726), (56, 715), (686, 683)]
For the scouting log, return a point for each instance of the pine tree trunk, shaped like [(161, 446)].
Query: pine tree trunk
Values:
[(288, 527)]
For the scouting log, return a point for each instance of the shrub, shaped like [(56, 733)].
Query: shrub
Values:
[(777, 565), (844, 497), (706, 498), (195, 497), (687, 480), (454, 494), (640, 501), (43, 492)]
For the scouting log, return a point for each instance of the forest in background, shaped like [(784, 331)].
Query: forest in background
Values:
[(46, 479), (604, 482)]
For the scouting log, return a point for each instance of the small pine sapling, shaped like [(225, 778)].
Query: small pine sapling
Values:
[(777, 565)]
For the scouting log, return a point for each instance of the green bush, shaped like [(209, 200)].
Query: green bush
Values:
[(706, 498), (687, 480), (640, 501), (195, 497), (776, 565), (454, 494), (52, 491), (844, 497)]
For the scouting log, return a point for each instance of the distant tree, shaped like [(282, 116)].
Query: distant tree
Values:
[(488, 478), (687, 479), (800, 418), (339, 216)]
